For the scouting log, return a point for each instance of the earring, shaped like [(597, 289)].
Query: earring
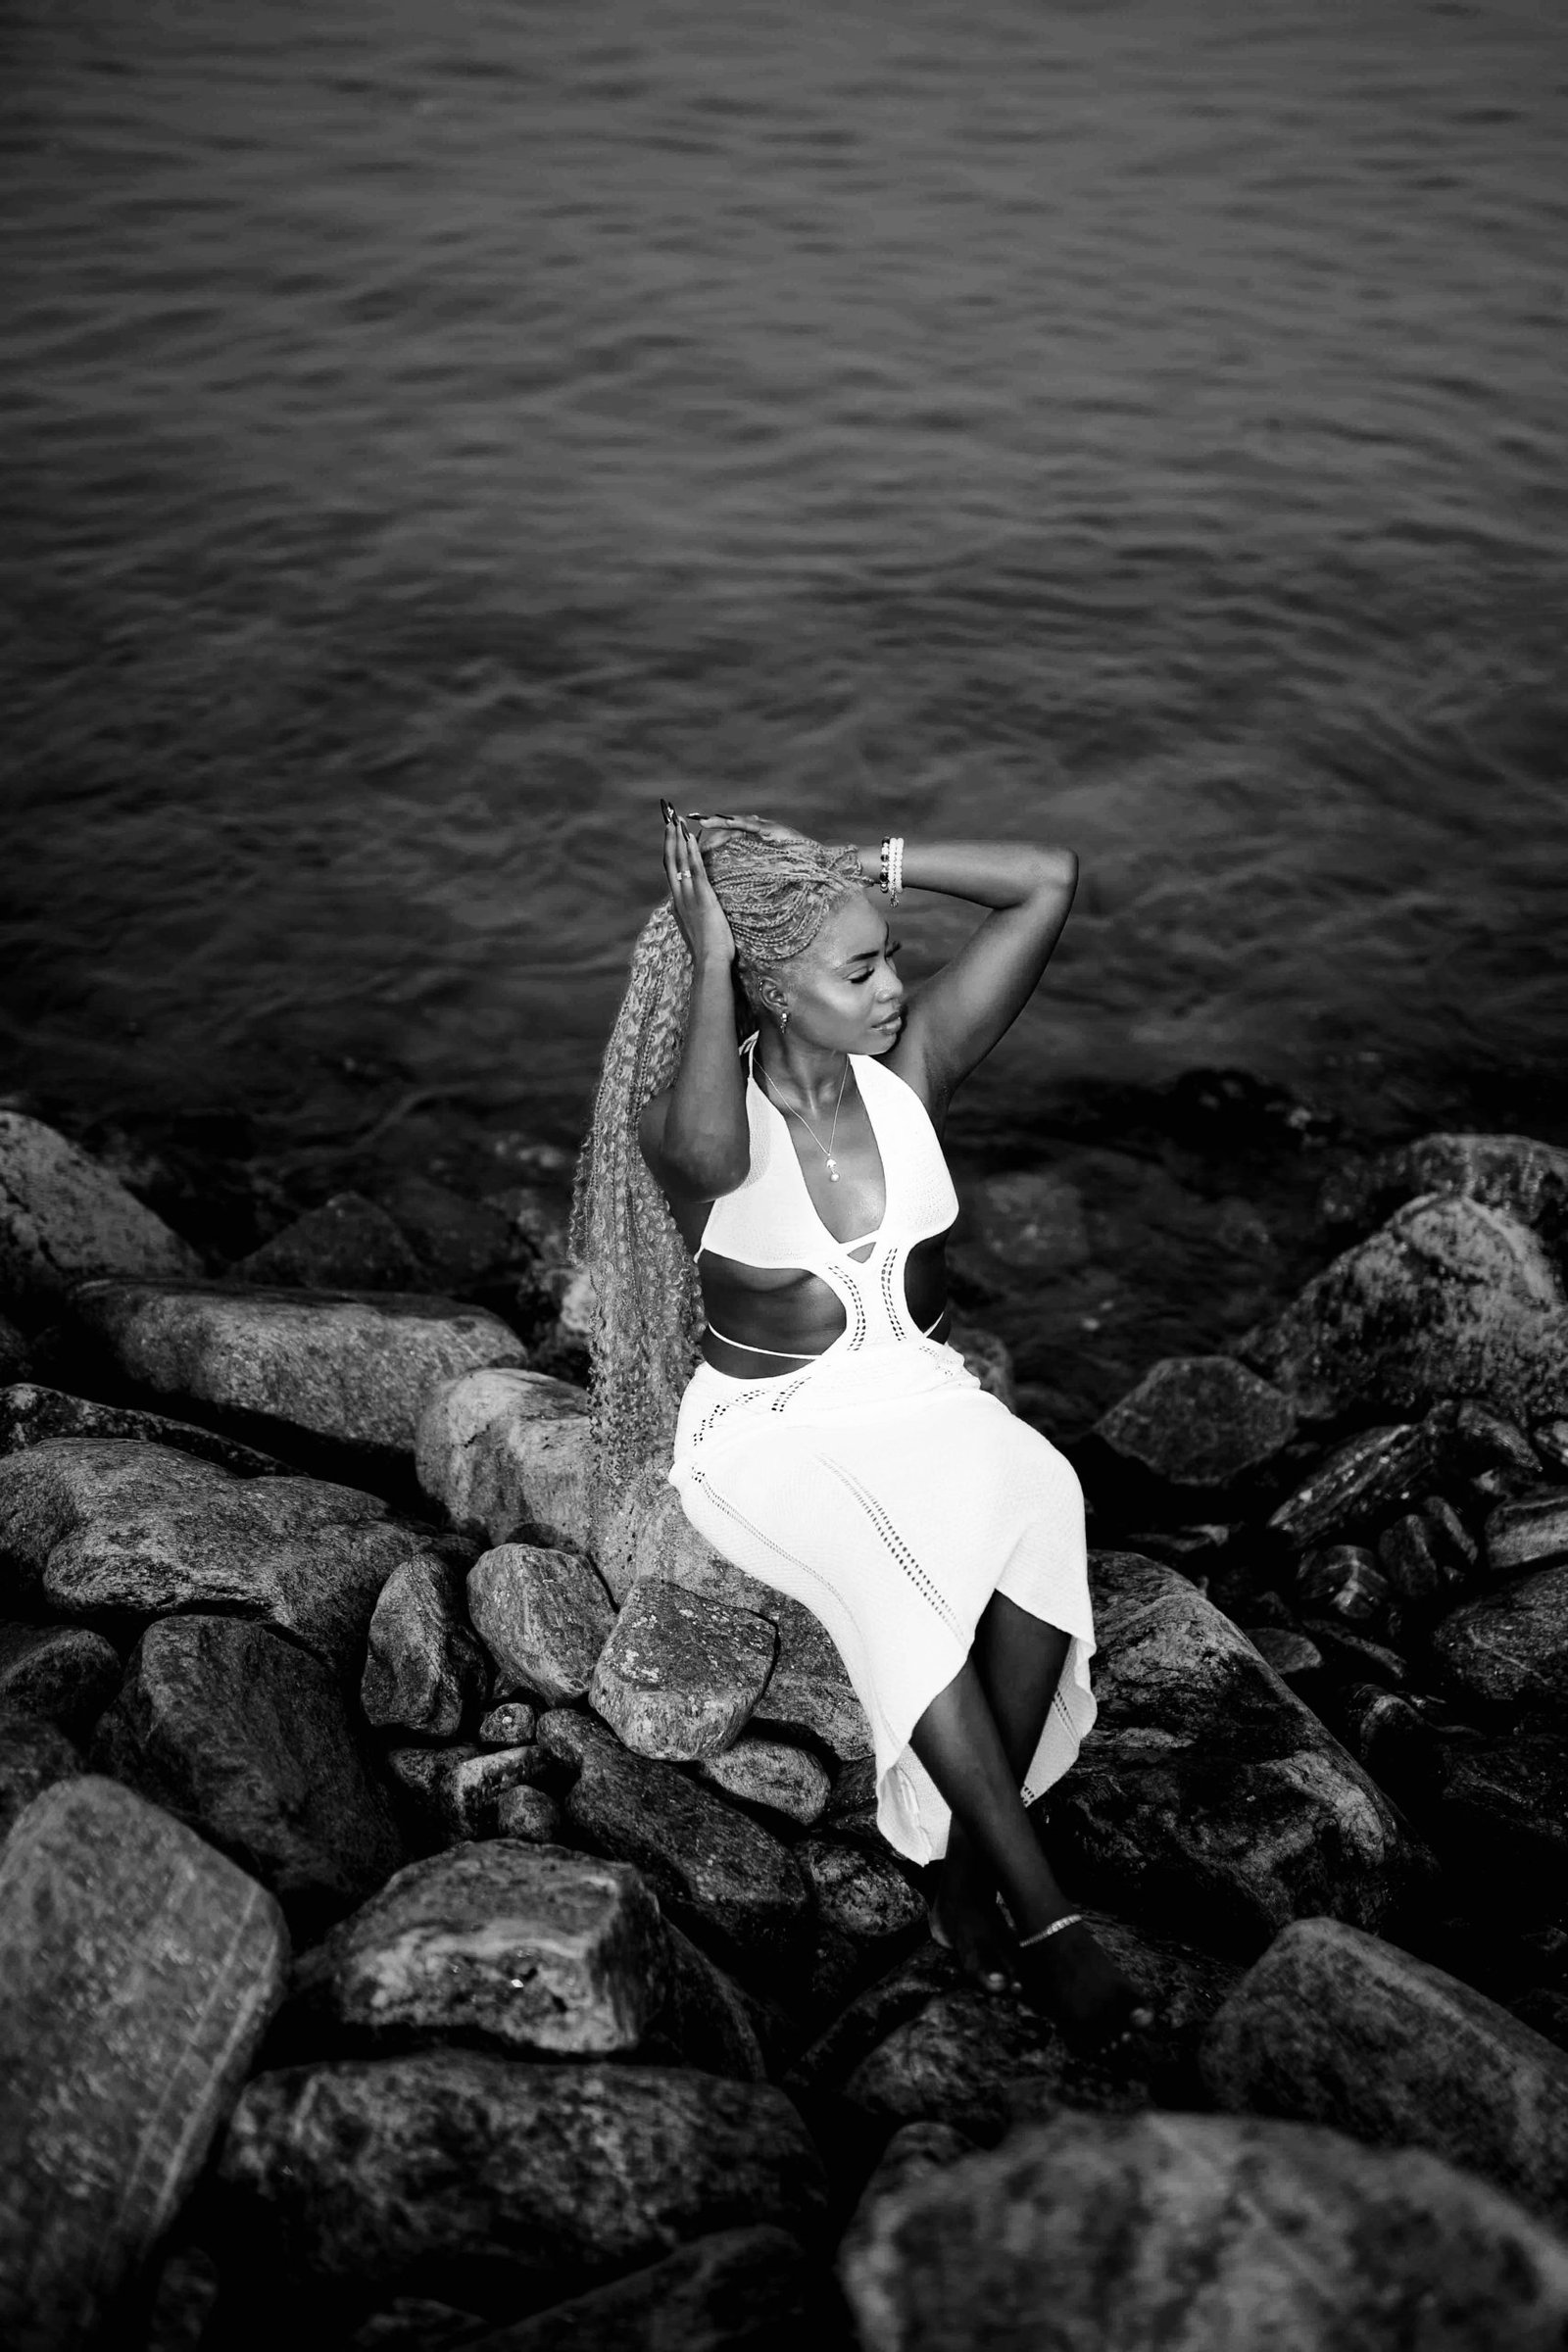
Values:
[(784, 1018)]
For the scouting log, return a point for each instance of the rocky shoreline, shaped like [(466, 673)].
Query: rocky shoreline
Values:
[(435, 1914)]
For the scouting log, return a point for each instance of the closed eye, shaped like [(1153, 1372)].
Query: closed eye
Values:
[(859, 979)]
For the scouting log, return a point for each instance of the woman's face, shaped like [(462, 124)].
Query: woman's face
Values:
[(843, 991)]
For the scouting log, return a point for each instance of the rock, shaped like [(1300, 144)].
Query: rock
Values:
[(1527, 1535), (988, 1357), (1387, 1734), (348, 1243), (28, 1414), (716, 1872), (459, 1239), (425, 1671), (356, 1369), (139, 1971), (1496, 1810), (1512, 1172), (527, 1951), (1353, 1653), (809, 1690), (1549, 1440), (458, 1791), (1207, 1796), (239, 1733), (513, 1723), (1336, 2027), (33, 1755), (1486, 1440), (1449, 1298), (1198, 1424), (679, 1674), (387, 2172), (113, 1532), (1420, 1558), (1510, 1647), (503, 1449), (62, 1218), (1033, 1220), (706, 2021), (1159, 2232), (914, 2153), (861, 1890), (544, 1617), (1358, 1484), (529, 1813), (62, 1672), (1293, 1656), (16, 1357), (775, 1774), (739, 2290), (1343, 1577)]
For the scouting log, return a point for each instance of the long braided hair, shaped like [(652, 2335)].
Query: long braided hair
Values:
[(647, 1295)]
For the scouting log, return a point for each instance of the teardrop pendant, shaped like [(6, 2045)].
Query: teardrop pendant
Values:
[(832, 1171)]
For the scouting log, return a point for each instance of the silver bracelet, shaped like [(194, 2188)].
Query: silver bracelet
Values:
[(1069, 1918), (890, 880)]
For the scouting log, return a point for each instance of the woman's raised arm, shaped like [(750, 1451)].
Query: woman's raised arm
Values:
[(695, 1135)]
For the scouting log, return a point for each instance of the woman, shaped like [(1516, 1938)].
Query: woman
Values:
[(787, 1198)]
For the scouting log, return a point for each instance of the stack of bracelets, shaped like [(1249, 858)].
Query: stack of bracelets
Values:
[(891, 881)]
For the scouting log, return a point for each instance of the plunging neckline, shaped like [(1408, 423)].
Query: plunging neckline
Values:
[(844, 1248)]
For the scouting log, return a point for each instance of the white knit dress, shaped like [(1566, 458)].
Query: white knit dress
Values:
[(880, 1485)]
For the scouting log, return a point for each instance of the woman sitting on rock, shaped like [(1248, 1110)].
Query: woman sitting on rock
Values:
[(785, 1202)]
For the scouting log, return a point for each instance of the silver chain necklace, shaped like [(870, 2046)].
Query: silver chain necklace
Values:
[(826, 1148)]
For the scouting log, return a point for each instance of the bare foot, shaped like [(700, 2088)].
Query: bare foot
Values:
[(966, 1921), (1072, 1980)]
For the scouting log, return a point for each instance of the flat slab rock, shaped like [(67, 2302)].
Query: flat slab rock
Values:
[(138, 1971), (1207, 1800), (1168, 2233), (1200, 1422), (1362, 1481), (399, 2172), (246, 1738), (62, 1218), (680, 1674), (360, 1369), (1510, 1647), (113, 1532), (1334, 2026), (504, 1449), (543, 1615), (30, 1413)]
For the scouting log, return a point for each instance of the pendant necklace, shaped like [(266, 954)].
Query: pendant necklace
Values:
[(826, 1148)]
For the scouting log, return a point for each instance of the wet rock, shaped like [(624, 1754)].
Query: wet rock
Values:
[(28, 1414), (1033, 1220), (775, 1774), (357, 1369), (544, 1617), (528, 1813), (1343, 1578), (740, 2290), (860, 1889), (239, 1733), (988, 1357), (458, 1791), (410, 2170), (62, 1218), (1449, 1298), (62, 1672), (423, 1669), (348, 1243), (115, 1532), (679, 1674), (1359, 1483), (1207, 1797), (717, 1872), (1336, 2027), (33, 1755), (140, 1970), (1198, 1424), (525, 1950), (1510, 1647), (1421, 1558), (1160, 2232), (1549, 1440), (503, 1449), (16, 1357), (513, 1723), (1527, 1534)]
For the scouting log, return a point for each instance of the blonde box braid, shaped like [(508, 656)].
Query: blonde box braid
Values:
[(647, 1298)]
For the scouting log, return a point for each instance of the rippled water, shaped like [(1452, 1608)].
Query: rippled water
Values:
[(434, 430)]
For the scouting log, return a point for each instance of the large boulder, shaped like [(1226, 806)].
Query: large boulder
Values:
[(358, 1369), (1196, 1427), (28, 1414), (1170, 2232), (63, 1672), (380, 2170), (236, 1729), (543, 1615), (347, 1244), (680, 1674), (112, 1531), (138, 1971), (740, 2290), (1449, 1298), (1207, 1798), (1511, 1172), (64, 1218), (506, 1451), (1334, 2026), (1510, 1647), (423, 1669)]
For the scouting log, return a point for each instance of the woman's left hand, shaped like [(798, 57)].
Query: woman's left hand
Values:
[(761, 828)]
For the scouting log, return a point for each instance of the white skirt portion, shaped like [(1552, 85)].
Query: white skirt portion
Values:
[(892, 1496)]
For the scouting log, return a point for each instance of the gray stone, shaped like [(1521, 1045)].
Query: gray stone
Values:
[(1510, 1647), (717, 1872), (62, 1218), (772, 1773), (1335, 2027), (459, 1239), (1199, 1423), (529, 1813), (382, 2171), (1483, 1440), (360, 1369), (914, 2153), (1348, 1651), (1161, 2232), (33, 1755), (706, 2021), (861, 1890), (113, 1532), (809, 1690), (239, 1733), (63, 1672), (423, 1669), (503, 1448), (28, 1414), (513, 1723), (1450, 1298), (1033, 1220), (679, 1674), (543, 1615), (1527, 1535), (1358, 1484), (1419, 1558), (519, 1948), (1292, 1655), (138, 1971), (1549, 1439), (1207, 1798), (458, 1791), (1343, 1578), (348, 1243), (1512, 1172), (988, 1357), (739, 2290)]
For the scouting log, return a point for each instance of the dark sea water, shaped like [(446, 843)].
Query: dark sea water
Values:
[(432, 430)]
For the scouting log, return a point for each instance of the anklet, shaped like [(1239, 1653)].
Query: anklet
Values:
[(1069, 1918)]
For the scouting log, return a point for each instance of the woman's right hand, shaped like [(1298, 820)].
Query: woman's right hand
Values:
[(704, 924)]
